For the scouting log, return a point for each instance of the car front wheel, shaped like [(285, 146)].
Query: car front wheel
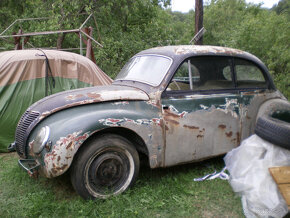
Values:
[(105, 166)]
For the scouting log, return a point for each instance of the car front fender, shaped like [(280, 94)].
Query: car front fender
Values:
[(70, 128)]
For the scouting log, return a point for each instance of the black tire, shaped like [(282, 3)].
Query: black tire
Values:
[(106, 166), (275, 127)]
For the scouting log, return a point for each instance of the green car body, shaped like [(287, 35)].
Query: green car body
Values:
[(173, 119)]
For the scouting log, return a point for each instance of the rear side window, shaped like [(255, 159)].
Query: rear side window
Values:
[(249, 75)]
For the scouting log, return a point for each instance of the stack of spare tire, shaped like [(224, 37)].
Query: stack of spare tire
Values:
[(273, 122)]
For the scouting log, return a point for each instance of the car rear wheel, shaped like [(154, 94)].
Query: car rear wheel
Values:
[(104, 167)]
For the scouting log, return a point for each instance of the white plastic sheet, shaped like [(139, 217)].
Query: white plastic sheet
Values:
[(221, 175), (250, 178)]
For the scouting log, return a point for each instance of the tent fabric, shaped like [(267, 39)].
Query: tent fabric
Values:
[(31, 64), (23, 81)]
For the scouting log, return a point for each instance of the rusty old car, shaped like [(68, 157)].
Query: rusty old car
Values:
[(175, 104)]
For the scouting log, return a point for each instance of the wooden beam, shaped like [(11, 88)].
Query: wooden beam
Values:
[(198, 19), (281, 176)]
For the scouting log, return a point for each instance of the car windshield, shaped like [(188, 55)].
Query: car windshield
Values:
[(149, 69)]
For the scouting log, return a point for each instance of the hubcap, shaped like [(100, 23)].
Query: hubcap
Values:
[(108, 172)]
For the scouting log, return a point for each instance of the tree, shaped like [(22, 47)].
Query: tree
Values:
[(282, 7)]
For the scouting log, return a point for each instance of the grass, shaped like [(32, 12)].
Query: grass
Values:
[(169, 192)]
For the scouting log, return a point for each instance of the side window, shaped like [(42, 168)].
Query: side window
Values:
[(249, 75), (185, 73), (203, 73)]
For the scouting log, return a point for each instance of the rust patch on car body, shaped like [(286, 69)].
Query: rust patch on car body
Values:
[(206, 49), (238, 138), (199, 135), (229, 134), (94, 95), (60, 158), (191, 127), (172, 121), (74, 97)]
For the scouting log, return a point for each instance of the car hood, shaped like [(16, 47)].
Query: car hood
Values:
[(72, 98)]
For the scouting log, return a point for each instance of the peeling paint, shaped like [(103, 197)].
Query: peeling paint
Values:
[(229, 106), (60, 158), (175, 112), (206, 49), (195, 131), (120, 103), (73, 97), (94, 95), (118, 122), (203, 107), (154, 103)]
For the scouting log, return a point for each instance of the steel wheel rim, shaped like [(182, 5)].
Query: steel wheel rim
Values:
[(109, 172)]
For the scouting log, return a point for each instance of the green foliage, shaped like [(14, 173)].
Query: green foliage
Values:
[(282, 7), (126, 27)]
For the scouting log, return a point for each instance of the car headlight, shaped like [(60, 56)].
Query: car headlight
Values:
[(41, 139)]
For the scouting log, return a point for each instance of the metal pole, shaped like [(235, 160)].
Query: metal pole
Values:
[(91, 38), (198, 35), (40, 18), (85, 21), (190, 74), (9, 27), (30, 44), (42, 33), (37, 18)]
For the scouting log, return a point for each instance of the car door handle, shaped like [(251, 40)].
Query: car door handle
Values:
[(165, 107)]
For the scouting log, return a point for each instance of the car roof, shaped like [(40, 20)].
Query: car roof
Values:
[(183, 51)]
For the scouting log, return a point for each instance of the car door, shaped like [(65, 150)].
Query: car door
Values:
[(254, 87), (200, 110)]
